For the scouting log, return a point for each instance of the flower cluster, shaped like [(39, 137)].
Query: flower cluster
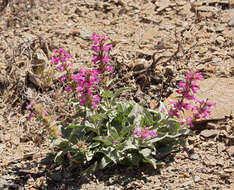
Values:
[(85, 82), (101, 52), (86, 85), (31, 115), (187, 90), (145, 133), (203, 110), (60, 59)]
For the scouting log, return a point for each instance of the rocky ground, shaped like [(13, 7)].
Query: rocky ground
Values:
[(168, 36)]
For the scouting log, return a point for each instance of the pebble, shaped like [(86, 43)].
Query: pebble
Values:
[(230, 151), (220, 29), (208, 133), (195, 157), (85, 35), (220, 40), (209, 124), (56, 176), (220, 147), (196, 179), (231, 22), (187, 183)]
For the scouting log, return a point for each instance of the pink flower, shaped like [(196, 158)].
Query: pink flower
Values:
[(101, 51), (145, 133), (189, 121), (186, 106), (43, 112), (29, 106), (137, 132), (63, 78), (107, 48), (61, 68), (95, 59), (67, 89), (86, 85), (31, 115), (106, 59), (110, 68), (61, 58), (95, 99), (187, 90)]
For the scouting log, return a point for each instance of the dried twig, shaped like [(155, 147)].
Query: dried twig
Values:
[(4, 5)]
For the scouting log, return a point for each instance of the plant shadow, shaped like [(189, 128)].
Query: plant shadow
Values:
[(47, 175)]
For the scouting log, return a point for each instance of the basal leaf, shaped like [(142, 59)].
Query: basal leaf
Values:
[(74, 126), (131, 143), (110, 153), (90, 169), (59, 156), (134, 158), (157, 138), (105, 162), (119, 91), (151, 161), (113, 133), (107, 94), (146, 152), (103, 139)]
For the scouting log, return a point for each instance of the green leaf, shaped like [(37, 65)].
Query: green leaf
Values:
[(94, 145), (113, 133), (125, 130), (107, 94), (134, 158), (103, 139), (137, 113), (59, 156), (74, 126), (110, 81), (89, 155), (110, 153), (105, 162), (130, 144), (146, 152), (151, 161), (157, 138), (119, 91), (90, 169)]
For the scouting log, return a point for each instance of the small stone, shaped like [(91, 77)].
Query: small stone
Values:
[(187, 183), (56, 176), (229, 170), (208, 133), (220, 29), (196, 179), (211, 160), (230, 151), (210, 125), (216, 60), (192, 140), (220, 147), (195, 157), (13, 186), (231, 22), (220, 161), (85, 35), (211, 29), (111, 180), (220, 40), (232, 186)]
